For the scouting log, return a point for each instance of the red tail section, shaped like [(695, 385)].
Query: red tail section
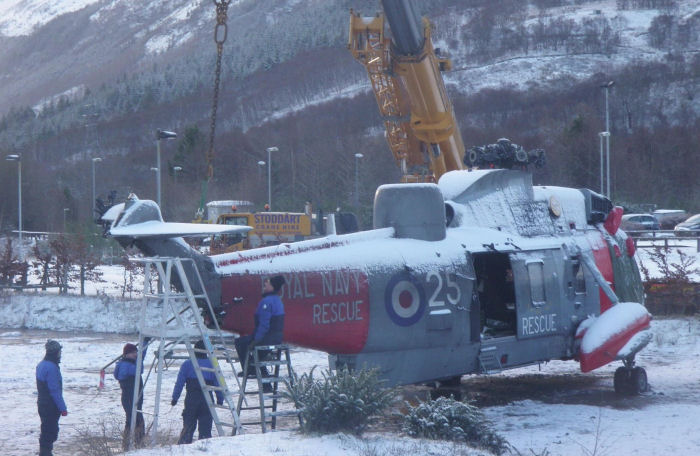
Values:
[(610, 332)]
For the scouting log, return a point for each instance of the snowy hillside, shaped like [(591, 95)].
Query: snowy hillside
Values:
[(128, 36), (86, 79), (23, 17), (558, 65)]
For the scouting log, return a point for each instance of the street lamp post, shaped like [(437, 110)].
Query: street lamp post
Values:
[(607, 86), (261, 163), (161, 134), (18, 159), (269, 174), (94, 160), (602, 135), (176, 169), (65, 211), (358, 156)]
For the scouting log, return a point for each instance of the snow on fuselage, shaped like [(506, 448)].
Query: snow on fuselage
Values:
[(341, 289)]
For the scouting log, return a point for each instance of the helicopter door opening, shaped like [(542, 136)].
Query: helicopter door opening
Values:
[(496, 292)]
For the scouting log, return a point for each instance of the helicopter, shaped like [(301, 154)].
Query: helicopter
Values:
[(480, 272), (464, 271)]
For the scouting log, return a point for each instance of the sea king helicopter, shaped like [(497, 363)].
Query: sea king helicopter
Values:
[(465, 271)]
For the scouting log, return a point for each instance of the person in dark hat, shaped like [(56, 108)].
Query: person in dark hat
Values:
[(196, 413), (125, 373), (269, 324), (49, 384)]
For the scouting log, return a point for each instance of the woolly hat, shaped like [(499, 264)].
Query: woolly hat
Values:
[(52, 346), (200, 346), (129, 348), (277, 282)]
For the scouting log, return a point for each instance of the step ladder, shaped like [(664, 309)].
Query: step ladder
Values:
[(488, 360), (180, 322), (263, 358)]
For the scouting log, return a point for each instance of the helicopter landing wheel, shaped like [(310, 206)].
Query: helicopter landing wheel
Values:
[(622, 380), (630, 380), (639, 382)]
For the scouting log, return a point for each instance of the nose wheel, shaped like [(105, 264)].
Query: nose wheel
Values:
[(630, 380)]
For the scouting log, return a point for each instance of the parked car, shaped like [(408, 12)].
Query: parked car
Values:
[(639, 222), (669, 218), (690, 227)]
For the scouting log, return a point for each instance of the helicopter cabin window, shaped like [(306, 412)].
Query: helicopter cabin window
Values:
[(537, 293), (579, 279)]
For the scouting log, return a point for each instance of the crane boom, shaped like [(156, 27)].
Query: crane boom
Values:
[(422, 130)]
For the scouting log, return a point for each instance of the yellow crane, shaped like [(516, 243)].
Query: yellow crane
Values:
[(421, 127)]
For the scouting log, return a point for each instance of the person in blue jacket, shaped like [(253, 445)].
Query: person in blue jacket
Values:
[(125, 373), (196, 412), (269, 324), (49, 384)]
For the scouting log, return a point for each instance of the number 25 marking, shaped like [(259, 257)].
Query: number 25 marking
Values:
[(451, 284)]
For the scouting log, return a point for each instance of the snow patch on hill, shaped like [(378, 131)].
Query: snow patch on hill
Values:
[(22, 17)]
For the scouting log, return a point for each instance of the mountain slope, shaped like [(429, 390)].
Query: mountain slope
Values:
[(102, 76)]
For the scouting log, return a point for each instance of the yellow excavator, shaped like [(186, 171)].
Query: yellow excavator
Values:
[(405, 75)]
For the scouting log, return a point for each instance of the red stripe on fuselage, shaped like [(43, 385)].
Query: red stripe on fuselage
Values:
[(325, 310), (602, 260)]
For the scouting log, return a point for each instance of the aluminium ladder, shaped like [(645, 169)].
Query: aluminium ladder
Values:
[(262, 357), (179, 321)]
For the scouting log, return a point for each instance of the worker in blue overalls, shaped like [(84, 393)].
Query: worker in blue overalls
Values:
[(125, 373), (269, 325), (49, 385), (196, 413)]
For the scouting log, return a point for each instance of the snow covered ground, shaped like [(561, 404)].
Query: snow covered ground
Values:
[(554, 407), (551, 409)]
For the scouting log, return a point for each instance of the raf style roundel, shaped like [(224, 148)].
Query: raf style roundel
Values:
[(404, 299)]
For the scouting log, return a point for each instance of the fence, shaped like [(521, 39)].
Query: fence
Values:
[(663, 238)]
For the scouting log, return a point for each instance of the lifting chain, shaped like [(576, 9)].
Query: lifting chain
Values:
[(220, 34)]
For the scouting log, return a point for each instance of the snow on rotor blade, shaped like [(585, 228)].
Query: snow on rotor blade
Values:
[(156, 229)]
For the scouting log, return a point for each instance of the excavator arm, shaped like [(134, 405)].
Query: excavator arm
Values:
[(405, 74)]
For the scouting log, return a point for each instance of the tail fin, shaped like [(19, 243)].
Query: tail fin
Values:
[(140, 224)]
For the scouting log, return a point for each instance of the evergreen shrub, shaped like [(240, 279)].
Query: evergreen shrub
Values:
[(448, 419), (341, 401)]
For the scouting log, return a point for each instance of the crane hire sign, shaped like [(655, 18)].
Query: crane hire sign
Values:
[(281, 223)]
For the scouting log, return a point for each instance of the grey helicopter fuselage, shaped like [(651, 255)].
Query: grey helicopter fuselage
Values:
[(481, 271)]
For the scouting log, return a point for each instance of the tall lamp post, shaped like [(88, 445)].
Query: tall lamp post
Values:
[(269, 174), (65, 211), (18, 159), (161, 134), (176, 169), (602, 135), (607, 86), (261, 163), (94, 160), (358, 156)]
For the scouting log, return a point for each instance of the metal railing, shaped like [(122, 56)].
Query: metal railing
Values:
[(666, 239)]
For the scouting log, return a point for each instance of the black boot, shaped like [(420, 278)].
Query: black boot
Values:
[(45, 451)]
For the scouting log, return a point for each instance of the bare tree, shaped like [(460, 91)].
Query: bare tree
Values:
[(10, 265)]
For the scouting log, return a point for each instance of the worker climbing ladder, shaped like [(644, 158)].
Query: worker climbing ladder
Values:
[(180, 322), (267, 389)]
